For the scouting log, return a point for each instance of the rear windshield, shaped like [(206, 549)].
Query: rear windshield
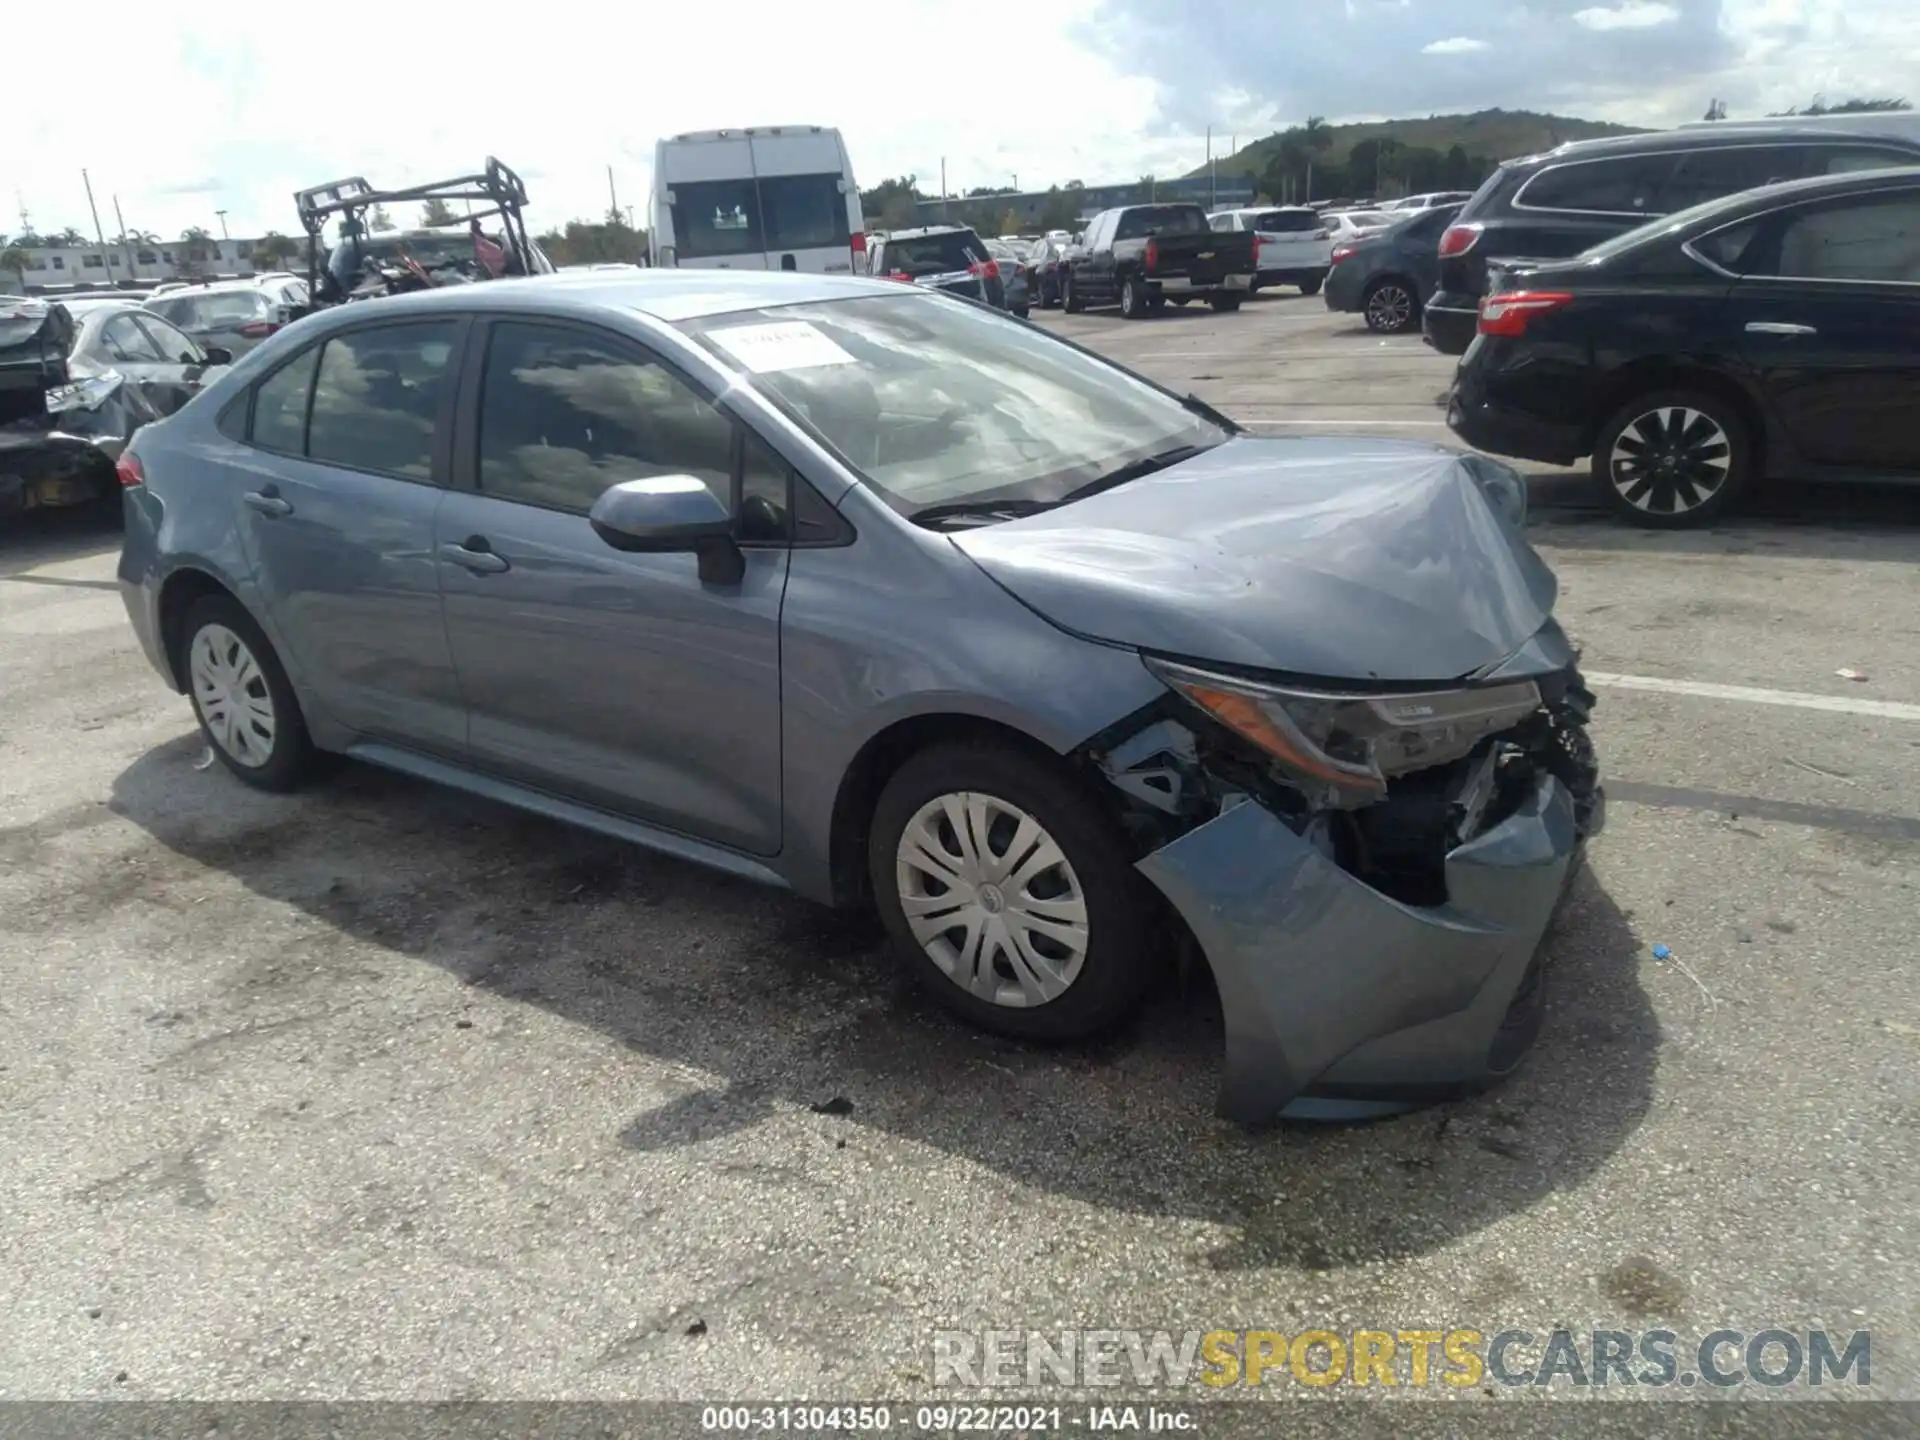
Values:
[(1147, 220), (935, 254), (1280, 222), (224, 307), (715, 218), (32, 331)]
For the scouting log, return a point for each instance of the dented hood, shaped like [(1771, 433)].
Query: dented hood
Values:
[(1335, 557)]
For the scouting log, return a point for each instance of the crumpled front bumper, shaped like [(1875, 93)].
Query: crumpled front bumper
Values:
[(1341, 1002)]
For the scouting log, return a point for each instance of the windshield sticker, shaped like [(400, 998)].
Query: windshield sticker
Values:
[(790, 345)]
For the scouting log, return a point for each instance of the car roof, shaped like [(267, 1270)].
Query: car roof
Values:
[(669, 295), (1705, 138), (920, 230)]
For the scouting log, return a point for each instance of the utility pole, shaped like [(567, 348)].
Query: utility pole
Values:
[(1213, 184), (133, 264), (223, 224), (99, 234), (944, 208), (613, 200)]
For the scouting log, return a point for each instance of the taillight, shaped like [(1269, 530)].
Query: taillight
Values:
[(902, 276), (1342, 252), (1256, 252), (258, 329), (858, 242), (1153, 255), (1459, 239), (1508, 314), (985, 269), (127, 470)]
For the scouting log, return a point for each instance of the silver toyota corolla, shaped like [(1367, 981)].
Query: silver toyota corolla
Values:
[(881, 596)]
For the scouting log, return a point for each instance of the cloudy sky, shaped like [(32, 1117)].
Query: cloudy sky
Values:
[(230, 107)]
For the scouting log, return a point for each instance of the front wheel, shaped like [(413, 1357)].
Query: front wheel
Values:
[(1070, 300), (1008, 894), (1022, 311), (241, 696), (1224, 303), (1673, 458)]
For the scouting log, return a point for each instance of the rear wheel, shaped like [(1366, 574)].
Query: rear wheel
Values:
[(1253, 287), (1673, 458), (241, 696), (1311, 285), (1223, 303), (1135, 298), (1390, 307), (1008, 894)]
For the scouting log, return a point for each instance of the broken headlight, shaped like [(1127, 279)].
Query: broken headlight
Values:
[(1340, 749)]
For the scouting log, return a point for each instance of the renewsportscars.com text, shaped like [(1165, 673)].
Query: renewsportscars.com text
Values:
[(1457, 1357)]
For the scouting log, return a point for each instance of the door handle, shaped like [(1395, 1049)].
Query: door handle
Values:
[(1778, 327), (480, 562), (267, 503)]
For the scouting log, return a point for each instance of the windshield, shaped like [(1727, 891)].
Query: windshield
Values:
[(936, 401)]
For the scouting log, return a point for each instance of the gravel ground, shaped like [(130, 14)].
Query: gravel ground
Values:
[(378, 1092)]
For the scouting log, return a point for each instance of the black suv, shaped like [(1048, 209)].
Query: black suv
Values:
[(1551, 206), (941, 257)]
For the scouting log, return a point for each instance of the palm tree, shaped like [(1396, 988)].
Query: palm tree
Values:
[(14, 258), (1317, 137), (274, 249), (67, 239)]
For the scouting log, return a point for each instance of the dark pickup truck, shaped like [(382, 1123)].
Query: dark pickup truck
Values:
[(1142, 256)]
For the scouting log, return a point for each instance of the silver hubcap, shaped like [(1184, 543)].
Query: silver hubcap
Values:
[(1390, 307), (231, 693), (1670, 460), (991, 898)]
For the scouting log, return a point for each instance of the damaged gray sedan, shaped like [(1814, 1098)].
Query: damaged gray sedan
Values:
[(888, 599)]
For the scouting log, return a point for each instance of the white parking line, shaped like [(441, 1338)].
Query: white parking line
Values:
[(1754, 695)]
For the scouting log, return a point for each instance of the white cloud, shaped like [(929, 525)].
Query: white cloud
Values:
[(1458, 45), (251, 103), (1628, 15)]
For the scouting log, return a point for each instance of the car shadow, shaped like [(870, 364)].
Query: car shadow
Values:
[(69, 532), (1797, 520), (783, 1005)]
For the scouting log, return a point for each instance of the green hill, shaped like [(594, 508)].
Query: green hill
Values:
[(1488, 135)]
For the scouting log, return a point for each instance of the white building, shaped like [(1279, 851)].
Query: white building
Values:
[(96, 267)]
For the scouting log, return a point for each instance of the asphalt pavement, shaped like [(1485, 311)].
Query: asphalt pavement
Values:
[(380, 1092)]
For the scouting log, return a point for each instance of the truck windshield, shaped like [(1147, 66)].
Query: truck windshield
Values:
[(1145, 220)]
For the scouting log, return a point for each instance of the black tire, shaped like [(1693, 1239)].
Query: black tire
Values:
[(1253, 287), (1023, 311), (1118, 962), (290, 757), (1311, 285), (1070, 300), (1391, 306), (1180, 300), (1712, 458), (1224, 303), (1136, 300)]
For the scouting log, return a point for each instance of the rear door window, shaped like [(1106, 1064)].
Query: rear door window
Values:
[(1704, 175), (716, 218), (1623, 185), (803, 212), (1875, 239), (128, 343), (280, 406), (1847, 160), (377, 398)]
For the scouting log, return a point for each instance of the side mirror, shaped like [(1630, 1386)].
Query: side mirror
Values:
[(216, 355), (668, 514)]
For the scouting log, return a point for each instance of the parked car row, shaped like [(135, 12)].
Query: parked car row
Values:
[(79, 373)]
